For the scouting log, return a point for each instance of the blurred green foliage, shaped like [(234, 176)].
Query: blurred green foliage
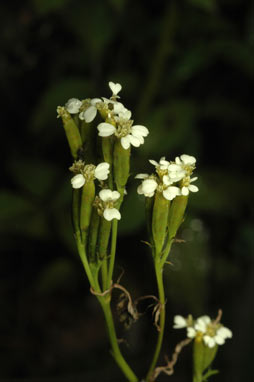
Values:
[(186, 68)]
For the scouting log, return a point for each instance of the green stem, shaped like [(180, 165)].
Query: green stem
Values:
[(82, 254), (159, 278), (112, 252), (116, 352)]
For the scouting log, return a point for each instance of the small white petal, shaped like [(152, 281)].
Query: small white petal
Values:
[(101, 171), (111, 213), (94, 101), (125, 142), (201, 325), (153, 162), (116, 195), (171, 192), (219, 340), (78, 181), (149, 186), (185, 191), (140, 190), (134, 141), (105, 195), (209, 341), (105, 129), (115, 88), (191, 332), (206, 319), (188, 159), (193, 188), (224, 332), (193, 179), (179, 322), (141, 176), (140, 130), (166, 180), (90, 114), (73, 105)]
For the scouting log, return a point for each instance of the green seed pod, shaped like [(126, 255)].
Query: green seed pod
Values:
[(87, 199), (71, 131), (104, 234), (159, 221), (176, 213), (88, 135), (93, 234), (203, 356), (121, 166), (75, 210), (149, 215)]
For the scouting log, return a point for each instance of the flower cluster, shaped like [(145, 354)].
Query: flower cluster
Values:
[(171, 178), (88, 172), (117, 117), (212, 333)]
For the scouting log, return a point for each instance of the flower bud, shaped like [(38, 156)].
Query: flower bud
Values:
[(159, 221)]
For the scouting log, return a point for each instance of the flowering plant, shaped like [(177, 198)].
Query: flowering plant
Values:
[(101, 170)]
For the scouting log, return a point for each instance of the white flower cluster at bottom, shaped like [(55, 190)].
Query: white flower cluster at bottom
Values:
[(211, 332)]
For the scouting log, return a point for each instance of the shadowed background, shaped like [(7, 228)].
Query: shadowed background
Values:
[(186, 68)]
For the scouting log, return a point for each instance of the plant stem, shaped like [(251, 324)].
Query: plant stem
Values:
[(116, 352), (112, 252), (159, 278)]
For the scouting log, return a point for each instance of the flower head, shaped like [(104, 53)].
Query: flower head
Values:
[(88, 172), (73, 105), (211, 332), (106, 204)]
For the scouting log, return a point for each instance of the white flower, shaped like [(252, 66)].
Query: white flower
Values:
[(115, 88), (171, 192), (162, 165), (106, 129), (78, 181), (175, 172), (135, 135), (147, 187), (90, 113), (109, 197), (179, 322), (185, 159), (187, 187), (191, 332), (73, 105), (201, 323), (101, 171)]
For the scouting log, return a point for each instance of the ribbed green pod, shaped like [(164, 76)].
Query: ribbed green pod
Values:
[(175, 215), (203, 356), (159, 221), (71, 131), (104, 234), (93, 235), (121, 166), (87, 199), (149, 215), (75, 210)]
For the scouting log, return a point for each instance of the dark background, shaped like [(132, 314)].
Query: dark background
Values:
[(186, 69)]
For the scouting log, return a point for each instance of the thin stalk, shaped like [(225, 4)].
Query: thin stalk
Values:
[(82, 254), (116, 352), (159, 278), (112, 252)]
